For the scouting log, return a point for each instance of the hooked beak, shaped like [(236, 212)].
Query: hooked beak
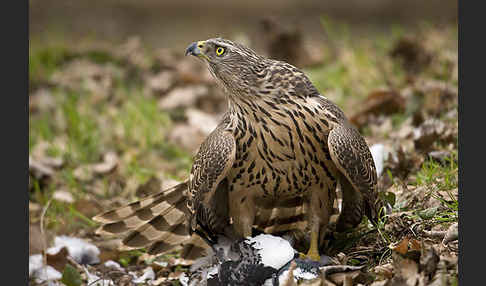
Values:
[(195, 49)]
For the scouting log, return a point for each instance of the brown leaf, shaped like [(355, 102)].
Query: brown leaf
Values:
[(452, 234), (204, 122), (411, 54), (407, 270), (344, 278), (182, 97), (63, 196), (385, 270), (58, 260), (186, 136), (87, 172), (429, 132), (161, 82), (401, 247), (39, 169), (415, 244), (110, 161), (384, 102)]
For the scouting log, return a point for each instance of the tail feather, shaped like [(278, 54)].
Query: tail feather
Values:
[(156, 230), (159, 206), (158, 221), (291, 215), (118, 214)]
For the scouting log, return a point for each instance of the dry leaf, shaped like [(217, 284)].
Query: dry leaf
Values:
[(39, 169), (182, 96), (63, 196), (110, 161), (58, 260), (161, 82), (384, 102), (201, 120), (385, 270), (401, 247), (452, 234)]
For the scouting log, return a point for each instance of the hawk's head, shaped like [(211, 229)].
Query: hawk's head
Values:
[(236, 66)]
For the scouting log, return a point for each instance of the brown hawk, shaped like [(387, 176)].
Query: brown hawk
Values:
[(273, 163)]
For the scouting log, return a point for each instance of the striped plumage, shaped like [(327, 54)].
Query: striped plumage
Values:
[(273, 163)]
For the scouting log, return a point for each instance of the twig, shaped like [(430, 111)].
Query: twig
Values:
[(43, 238)]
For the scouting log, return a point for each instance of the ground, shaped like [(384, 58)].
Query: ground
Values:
[(110, 124)]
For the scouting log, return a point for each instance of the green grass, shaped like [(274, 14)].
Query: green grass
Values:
[(43, 61), (143, 124), (82, 130), (437, 175)]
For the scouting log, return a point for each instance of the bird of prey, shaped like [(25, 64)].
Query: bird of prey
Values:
[(273, 163)]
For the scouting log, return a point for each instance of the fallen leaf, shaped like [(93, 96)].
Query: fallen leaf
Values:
[(110, 161), (428, 133), (201, 120), (411, 54), (408, 270), (161, 82), (385, 270), (401, 247), (39, 169), (58, 260), (415, 245), (451, 234), (182, 97), (186, 136), (87, 172), (378, 102), (63, 196)]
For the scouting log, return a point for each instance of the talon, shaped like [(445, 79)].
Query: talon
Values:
[(311, 255)]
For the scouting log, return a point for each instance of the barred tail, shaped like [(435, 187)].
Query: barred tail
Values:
[(157, 222), (291, 215)]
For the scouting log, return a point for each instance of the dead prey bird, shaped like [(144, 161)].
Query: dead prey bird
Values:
[(273, 163), (261, 260)]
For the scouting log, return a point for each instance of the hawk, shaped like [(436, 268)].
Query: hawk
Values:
[(273, 163)]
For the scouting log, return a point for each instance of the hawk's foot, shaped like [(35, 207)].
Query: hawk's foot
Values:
[(314, 256)]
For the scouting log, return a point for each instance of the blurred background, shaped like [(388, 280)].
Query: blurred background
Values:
[(116, 111), (172, 23)]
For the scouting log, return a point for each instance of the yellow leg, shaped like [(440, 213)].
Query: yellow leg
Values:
[(313, 252)]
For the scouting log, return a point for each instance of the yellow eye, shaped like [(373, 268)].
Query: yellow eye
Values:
[(219, 51)]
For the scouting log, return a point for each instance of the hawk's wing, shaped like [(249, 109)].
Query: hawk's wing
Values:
[(208, 187), (353, 159)]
